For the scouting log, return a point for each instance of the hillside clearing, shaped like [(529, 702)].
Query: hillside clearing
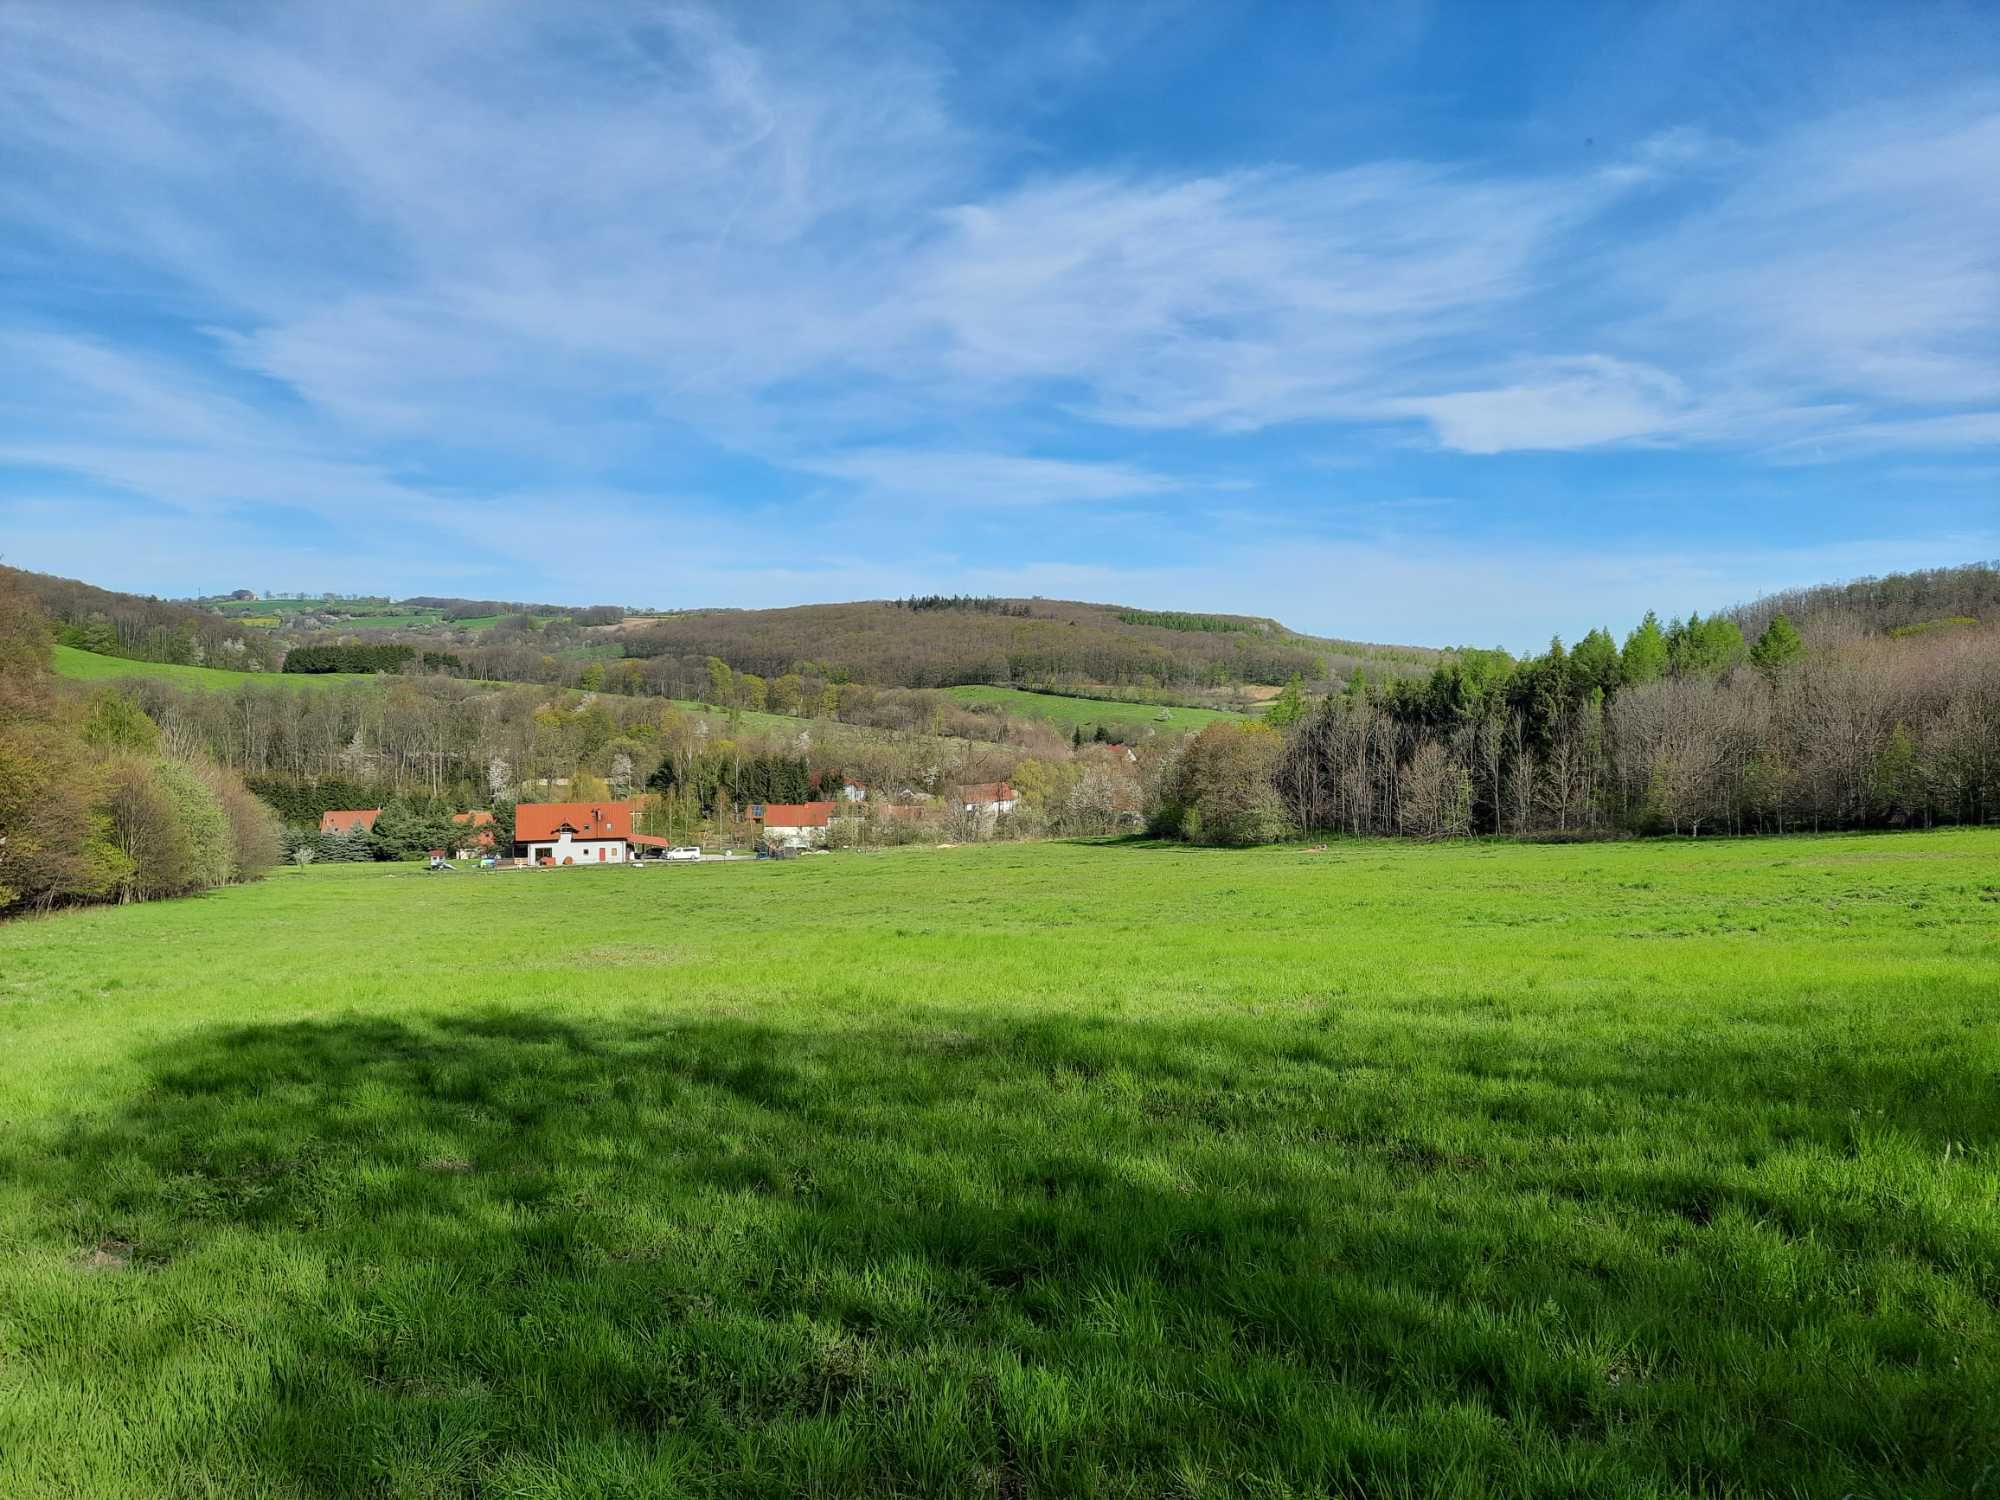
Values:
[(1088, 713), (1052, 1169), (88, 666)]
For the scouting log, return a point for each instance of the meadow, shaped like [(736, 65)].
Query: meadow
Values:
[(1067, 712), (1636, 1169), (89, 666)]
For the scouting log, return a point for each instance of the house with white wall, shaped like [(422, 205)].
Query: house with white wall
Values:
[(799, 824), (579, 833), (986, 800)]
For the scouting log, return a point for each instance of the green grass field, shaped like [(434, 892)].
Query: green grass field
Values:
[(1072, 713), (1643, 1169), (88, 666)]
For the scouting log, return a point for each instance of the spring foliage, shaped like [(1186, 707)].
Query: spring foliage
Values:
[(93, 807)]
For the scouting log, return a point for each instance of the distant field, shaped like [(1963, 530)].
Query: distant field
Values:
[(415, 621), (88, 665), (721, 718), (272, 611), (1640, 1169), (1086, 713)]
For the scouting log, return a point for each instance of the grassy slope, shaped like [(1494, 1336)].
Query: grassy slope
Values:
[(1610, 1170), (1068, 713), (90, 667)]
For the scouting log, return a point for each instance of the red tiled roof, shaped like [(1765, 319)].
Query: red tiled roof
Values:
[(478, 817), (986, 791), (349, 819), (539, 822), (797, 814), (651, 841)]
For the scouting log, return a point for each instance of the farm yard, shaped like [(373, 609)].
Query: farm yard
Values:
[(1108, 1169)]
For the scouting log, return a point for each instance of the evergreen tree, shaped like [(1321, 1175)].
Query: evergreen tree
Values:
[(1595, 665), (1289, 706), (1778, 647), (1644, 658)]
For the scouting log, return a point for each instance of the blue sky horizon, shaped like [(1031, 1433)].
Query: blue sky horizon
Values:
[(1431, 323)]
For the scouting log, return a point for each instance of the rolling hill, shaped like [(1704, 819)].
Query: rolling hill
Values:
[(940, 642)]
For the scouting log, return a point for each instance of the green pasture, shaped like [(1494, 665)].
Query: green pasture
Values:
[(1639, 1169), (1087, 713), (88, 666)]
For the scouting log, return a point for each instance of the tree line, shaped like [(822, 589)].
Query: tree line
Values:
[(1686, 728), (983, 604), (357, 656), (96, 803)]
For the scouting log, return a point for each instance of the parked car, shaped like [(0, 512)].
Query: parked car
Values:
[(685, 851)]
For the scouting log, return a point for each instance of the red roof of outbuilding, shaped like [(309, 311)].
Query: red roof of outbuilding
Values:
[(477, 817), (346, 820), (538, 821), (987, 791), (797, 814)]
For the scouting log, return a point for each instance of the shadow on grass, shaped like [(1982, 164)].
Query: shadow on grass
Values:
[(505, 1254)]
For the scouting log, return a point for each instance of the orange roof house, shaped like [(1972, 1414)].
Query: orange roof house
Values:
[(349, 819), (987, 794), (796, 814), (479, 820), (577, 833), (537, 822)]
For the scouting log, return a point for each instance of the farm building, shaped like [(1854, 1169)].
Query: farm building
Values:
[(580, 833), (476, 833), (347, 820), (795, 823), (986, 801)]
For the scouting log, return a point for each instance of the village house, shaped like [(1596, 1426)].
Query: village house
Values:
[(986, 801), (580, 833), (475, 836), (347, 820), (797, 824)]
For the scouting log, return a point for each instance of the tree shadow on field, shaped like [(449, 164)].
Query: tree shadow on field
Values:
[(504, 1254)]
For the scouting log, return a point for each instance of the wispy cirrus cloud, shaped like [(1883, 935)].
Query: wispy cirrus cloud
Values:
[(988, 480)]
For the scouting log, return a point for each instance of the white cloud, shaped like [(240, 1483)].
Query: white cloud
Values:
[(987, 480), (1575, 403)]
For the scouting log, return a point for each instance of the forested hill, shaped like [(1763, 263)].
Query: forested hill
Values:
[(1897, 604), (143, 628), (943, 641)]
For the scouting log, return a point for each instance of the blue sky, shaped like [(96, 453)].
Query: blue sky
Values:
[(1424, 323)]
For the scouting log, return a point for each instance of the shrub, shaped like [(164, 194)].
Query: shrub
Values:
[(1219, 789), (254, 840), (159, 855)]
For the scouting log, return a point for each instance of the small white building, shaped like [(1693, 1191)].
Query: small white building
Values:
[(986, 800)]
